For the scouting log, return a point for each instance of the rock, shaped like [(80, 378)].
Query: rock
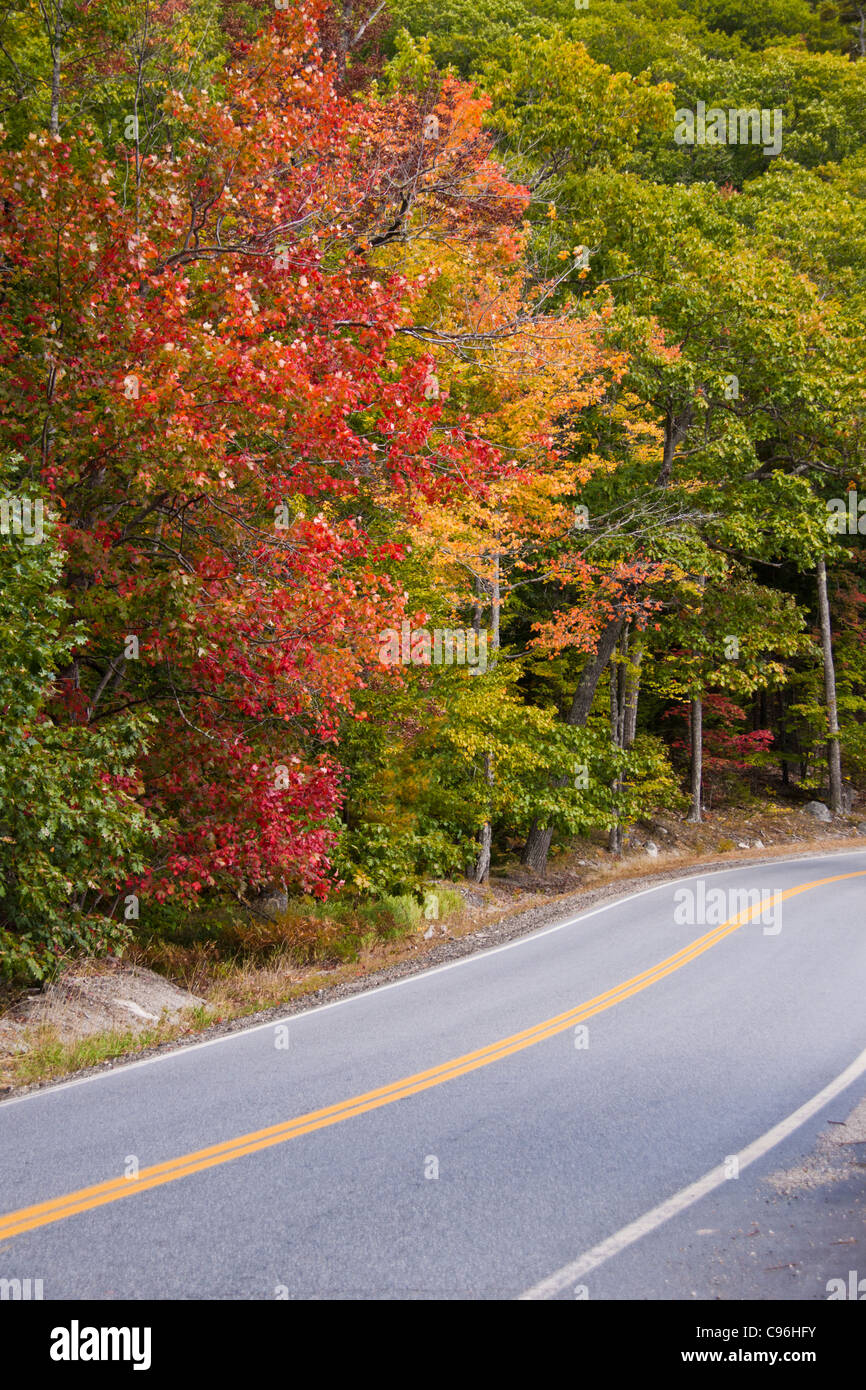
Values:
[(273, 902), (818, 810), (652, 849), (742, 844), (137, 1010), (470, 898), (93, 998), (758, 844), (861, 828), (10, 1039)]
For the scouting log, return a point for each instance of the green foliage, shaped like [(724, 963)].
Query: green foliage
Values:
[(374, 859), (114, 61), (773, 21), (71, 831), (462, 33), (552, 99), (405, 911), (710, 264)]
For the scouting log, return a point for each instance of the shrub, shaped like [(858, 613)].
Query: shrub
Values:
[(71, 833), (405, 911)]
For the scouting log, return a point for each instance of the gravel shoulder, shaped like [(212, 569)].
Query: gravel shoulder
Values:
[(487, 923)]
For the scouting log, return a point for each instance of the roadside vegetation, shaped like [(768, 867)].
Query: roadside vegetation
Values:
[(422, 471)]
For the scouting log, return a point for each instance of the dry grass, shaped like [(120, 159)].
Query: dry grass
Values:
[(252, 965), (261, 965), (50, 1056)]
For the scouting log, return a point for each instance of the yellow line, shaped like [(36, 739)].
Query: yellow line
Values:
[(87, 1198)]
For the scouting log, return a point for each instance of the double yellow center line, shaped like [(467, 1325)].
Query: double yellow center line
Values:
[(87, 1198)]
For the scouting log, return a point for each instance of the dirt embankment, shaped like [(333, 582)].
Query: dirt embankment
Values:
[(98, 1015)]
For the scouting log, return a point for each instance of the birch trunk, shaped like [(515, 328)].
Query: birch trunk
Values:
[(834, 757)]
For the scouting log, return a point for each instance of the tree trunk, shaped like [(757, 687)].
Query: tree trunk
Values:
[(482, 865), (592, 674), (783, 740), (55, 38), (697, 731), (676, 429), (537, 846), (624, 691), (617, 711), (54, 124), (632, 693), (834, 758)]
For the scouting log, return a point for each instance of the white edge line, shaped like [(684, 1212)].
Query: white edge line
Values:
[(687, 1196), (414, 978)]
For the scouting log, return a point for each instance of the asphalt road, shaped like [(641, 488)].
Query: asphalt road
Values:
[(470, 1131)]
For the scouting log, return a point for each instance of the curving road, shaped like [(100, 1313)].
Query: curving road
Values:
[(551, 1118)]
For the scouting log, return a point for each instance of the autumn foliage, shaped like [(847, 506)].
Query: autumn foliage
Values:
[(317, 319), (203, 365)]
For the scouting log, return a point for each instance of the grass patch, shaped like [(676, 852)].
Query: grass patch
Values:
[(405, 912), (217, 941), (239, 963), (48, 1055)]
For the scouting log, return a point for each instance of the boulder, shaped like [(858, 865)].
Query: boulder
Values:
[(818, 810), (273, 902), (96, 997)]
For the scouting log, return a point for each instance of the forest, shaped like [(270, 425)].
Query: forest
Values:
[(432, 442)]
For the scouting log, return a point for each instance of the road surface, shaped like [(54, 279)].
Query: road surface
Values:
[(556, 1117)]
